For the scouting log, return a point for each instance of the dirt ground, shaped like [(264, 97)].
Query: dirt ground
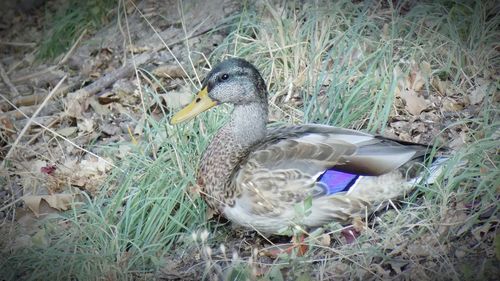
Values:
[(97, 100)]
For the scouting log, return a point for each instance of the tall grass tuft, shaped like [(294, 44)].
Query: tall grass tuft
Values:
[(69, 21)]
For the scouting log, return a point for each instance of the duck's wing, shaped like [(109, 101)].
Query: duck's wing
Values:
[(286, 165), (318, 147)]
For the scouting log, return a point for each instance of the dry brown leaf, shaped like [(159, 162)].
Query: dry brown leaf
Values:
[(443, 87), (416, 79), (451, 105), (98, 107), (407, 90), (415, 104), (325, 240), (477, 95), (178, 99), (85, 125), (358, 224), (68, 131), (33, 203), (74, 108), (169, 71), (94, 165), (59, 202), (86, 174)]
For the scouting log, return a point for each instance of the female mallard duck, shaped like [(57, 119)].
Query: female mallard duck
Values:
[(256, 176)]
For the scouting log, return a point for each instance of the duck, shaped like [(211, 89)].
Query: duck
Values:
[(271, 178)]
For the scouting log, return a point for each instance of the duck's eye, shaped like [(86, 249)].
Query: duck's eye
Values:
[(224, 77)]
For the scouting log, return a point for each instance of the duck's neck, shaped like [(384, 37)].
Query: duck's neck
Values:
[(246, 127), (248, 124)]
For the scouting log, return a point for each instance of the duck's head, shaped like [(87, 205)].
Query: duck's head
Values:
[(234, 81)]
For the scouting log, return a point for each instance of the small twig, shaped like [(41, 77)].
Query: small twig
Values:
[(18, 44), (70, 52), (35, 74), (7, 81), (23, 131), (30, 100), (18, 63), (29, 110)]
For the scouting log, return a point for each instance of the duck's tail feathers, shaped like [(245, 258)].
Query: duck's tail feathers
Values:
[(431, 173)]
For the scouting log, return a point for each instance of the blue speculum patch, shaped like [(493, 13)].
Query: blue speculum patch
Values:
[(337, 181)]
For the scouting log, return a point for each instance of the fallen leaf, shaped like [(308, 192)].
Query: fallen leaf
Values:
[(415, 104), (443, 87), (407, 89), (477, 95), (67, 131), (73, 105), (59, 202), (358, 224), (94, 165), (33, 203), (169, 71), (451, 105), (49, 169), (178, 99), (98, 107), (350, 234), (85, 125), (416, 79), (325, 240)]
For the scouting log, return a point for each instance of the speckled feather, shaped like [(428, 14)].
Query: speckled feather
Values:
[(256, 176)]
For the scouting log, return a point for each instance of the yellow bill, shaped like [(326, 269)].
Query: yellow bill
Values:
[(201, 102)]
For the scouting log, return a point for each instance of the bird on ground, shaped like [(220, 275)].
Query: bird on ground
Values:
[(256, 175)]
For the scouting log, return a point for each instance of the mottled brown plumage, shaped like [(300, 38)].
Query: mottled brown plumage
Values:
[(257, 176)]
